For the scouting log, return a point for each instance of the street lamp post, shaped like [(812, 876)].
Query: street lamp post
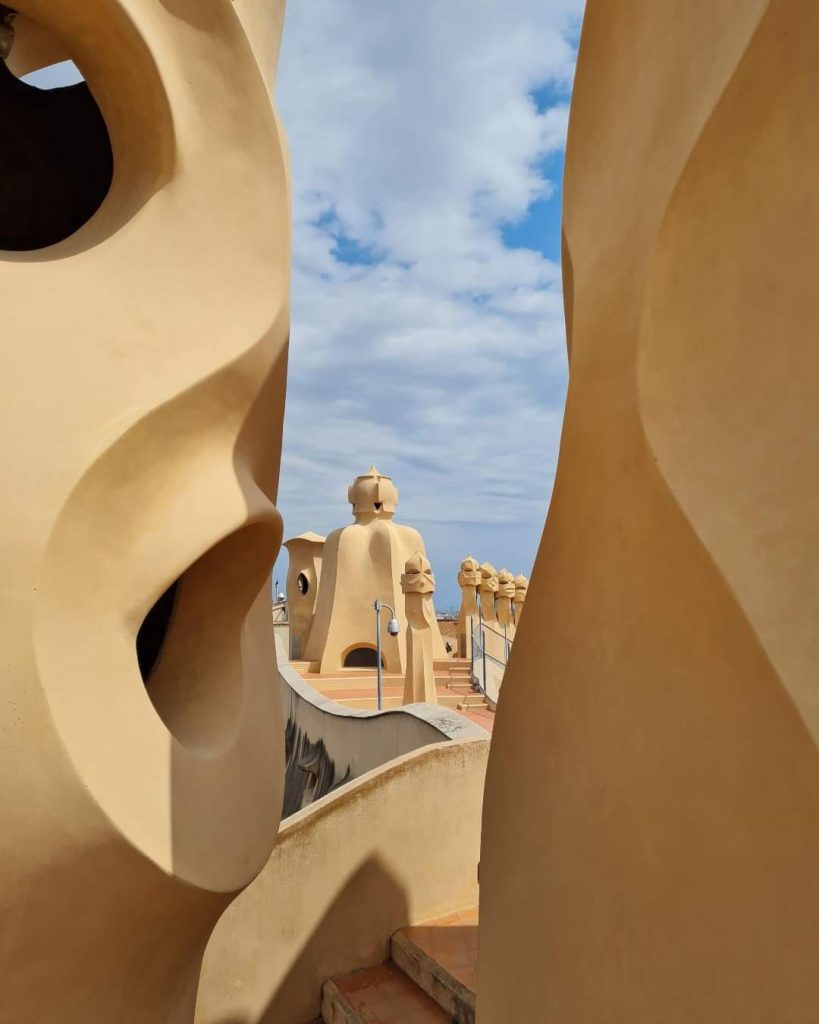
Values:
[(393, 629)]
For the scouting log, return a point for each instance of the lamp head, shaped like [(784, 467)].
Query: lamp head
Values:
[(393, 628)]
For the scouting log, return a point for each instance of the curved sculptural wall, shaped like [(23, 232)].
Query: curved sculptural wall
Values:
[(659, 727), (142, 393), (346, 873), (328, 745)]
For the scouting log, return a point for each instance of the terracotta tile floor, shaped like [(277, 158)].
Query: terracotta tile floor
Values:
[(385, 995), (452, 942), (480, 716)]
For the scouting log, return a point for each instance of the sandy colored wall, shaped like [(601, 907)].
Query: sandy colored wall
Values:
[(142, 394), (305, 559), (399, 845), (263, 22), (658, 723), (344, 615), (363, 562)]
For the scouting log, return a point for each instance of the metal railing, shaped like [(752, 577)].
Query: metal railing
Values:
[(487, 670), (504, 636)]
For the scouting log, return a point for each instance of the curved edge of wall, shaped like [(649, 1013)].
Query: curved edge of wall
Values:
[(346, 873), (328, 745)]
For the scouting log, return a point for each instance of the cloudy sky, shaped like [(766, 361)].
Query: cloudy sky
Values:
[(427, 152), (427, 149)]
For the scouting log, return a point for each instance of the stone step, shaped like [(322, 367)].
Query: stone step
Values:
[(472, 700), (378, 995), (442, 959)]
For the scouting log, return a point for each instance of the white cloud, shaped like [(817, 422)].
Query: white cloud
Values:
[(414, 138)]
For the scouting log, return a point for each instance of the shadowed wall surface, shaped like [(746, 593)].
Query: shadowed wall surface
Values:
[(659, 719), (327, 744), (397, 846)]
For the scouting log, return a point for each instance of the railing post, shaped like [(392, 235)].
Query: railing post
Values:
[(483, 655)]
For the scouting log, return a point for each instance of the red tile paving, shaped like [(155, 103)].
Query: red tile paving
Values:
[(480, 716), (452, 942), (385, 995)]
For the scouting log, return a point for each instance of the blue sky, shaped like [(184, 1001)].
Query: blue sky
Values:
[(427, 155), (52, 77)]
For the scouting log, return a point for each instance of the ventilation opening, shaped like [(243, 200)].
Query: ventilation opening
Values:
[(302, 583), (56, 162), (362, 657), (378, 505), (154, 630), (189, 646)]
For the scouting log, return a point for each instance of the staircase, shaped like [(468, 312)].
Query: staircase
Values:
[(453, 686), (453, 681), (431, 978)]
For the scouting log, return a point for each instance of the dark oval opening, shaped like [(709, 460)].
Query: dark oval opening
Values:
[(56, 161), (362, 657), (189, 645), (302, 583), (154, 630)]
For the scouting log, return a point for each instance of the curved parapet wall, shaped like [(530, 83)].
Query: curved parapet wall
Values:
[(651, 827), (397, 846), (328, 744)]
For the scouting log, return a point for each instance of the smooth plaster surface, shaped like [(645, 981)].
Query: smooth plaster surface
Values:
[(305, 555), (362, 562), (659, 719), (418, 586), (469, 576), (397, 846), (142, 394)]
